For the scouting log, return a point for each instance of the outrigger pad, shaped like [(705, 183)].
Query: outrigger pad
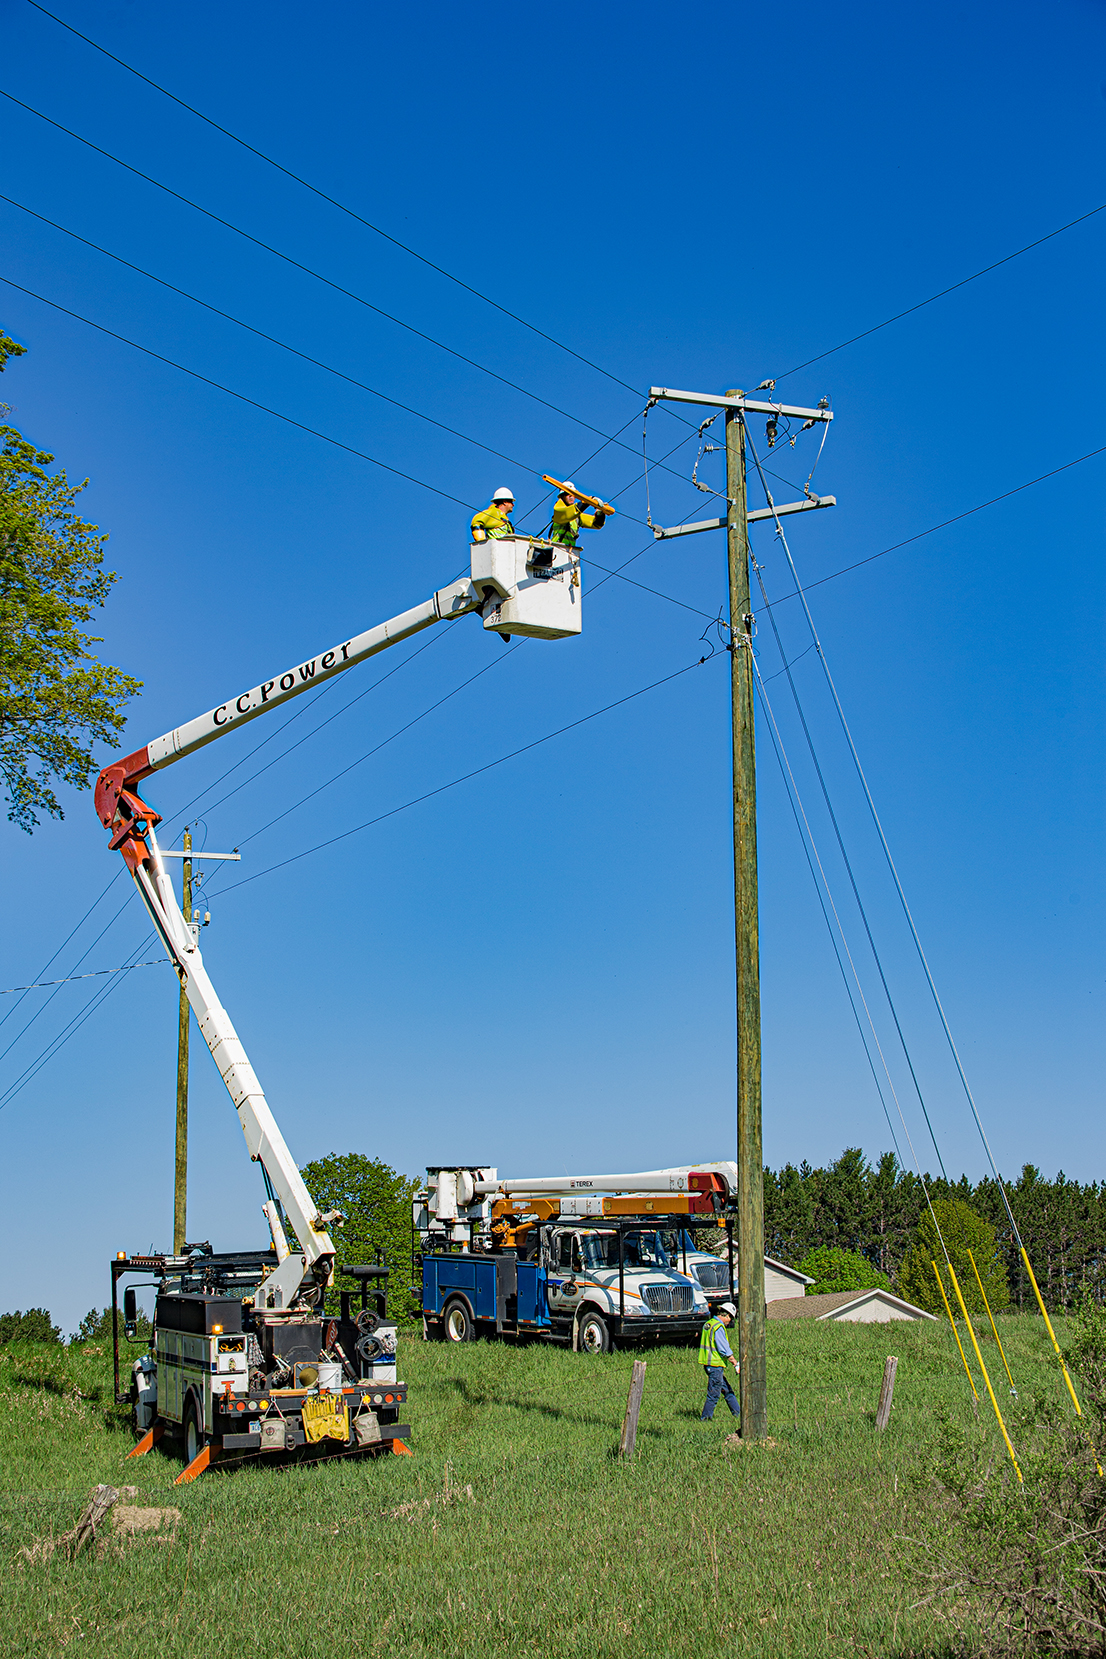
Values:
[(148, 1442), (197, 1466)]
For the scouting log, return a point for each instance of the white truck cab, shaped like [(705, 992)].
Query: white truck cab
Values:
[(588, 1293)]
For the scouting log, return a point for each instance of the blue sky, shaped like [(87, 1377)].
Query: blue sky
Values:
[(535, 969)]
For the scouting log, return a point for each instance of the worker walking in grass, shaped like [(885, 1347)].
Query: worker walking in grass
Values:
[(714, 1352), (495, 520)]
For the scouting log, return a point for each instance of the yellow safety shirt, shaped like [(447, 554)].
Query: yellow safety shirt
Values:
[(567, 520), (493, 523)]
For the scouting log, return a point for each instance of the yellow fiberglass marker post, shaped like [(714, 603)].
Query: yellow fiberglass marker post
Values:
[(1055, 1344), (1052, 1333), (955, 1332), (994, 1327), (983, 1368)]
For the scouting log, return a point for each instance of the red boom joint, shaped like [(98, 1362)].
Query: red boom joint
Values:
[(123, 812)]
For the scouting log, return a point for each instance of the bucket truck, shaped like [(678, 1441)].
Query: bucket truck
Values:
[(244, 1357), (595, 1261)]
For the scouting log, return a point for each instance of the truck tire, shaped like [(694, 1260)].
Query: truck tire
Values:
[(458, 1324), (594, 1335), (194, 1437)]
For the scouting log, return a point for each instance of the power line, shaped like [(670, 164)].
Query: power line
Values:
[(894, 548), (454, 783), (272, 339), (794, 801), (241, 396), (308, 271), (333, 201), (70, 1030), (71, 979), (57, 1043), (899, 315), (839, 837), (65, 941)]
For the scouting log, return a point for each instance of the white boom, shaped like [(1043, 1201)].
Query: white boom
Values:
[(513, 597)]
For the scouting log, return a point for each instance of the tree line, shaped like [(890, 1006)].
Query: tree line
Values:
[(875, 1210)]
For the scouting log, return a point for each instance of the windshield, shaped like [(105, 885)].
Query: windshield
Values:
[(638, 1250)]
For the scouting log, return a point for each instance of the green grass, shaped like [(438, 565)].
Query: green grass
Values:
[(695, 1548)]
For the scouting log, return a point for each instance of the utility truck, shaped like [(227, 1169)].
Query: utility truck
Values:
[(579, 1260), (244, 1357)]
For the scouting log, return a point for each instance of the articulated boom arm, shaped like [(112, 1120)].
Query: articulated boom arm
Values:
[(513, 597)]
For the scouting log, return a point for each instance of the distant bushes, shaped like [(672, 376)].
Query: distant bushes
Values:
[(832, 1269), (33, 1326)]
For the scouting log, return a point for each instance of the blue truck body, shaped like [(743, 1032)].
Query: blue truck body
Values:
[(500, 1289)]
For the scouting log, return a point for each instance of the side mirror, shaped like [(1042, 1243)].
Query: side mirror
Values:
[(130, 1312)]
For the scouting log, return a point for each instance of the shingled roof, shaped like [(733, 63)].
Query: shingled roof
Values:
[(832, 1302)]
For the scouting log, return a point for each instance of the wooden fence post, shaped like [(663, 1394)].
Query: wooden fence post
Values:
[(633, 1407), (886, 1393)]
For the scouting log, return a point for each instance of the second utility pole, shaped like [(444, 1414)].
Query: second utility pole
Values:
[(180, 1182), (750, 1173)]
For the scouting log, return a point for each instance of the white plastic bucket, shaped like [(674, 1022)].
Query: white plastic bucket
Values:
[(330, 1376)]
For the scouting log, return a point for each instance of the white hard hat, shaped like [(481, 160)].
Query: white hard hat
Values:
[(728, 1307), (504, 495), (568, 485)]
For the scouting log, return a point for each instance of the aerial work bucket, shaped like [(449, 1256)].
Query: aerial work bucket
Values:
[(532, 588)]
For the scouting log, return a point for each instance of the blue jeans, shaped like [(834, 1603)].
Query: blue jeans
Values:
[(718, 1384)]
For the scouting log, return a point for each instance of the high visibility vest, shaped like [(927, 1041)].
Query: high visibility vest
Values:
[(493, 523), (567, 520), (709, 1351)]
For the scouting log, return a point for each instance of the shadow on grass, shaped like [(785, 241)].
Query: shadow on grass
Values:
[(484, 1397)]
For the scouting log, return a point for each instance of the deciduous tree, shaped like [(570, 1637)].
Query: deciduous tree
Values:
[(56, 698)]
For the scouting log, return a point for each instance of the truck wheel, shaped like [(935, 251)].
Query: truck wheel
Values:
[(457, 1323), (594, 1336), (194, 1437)]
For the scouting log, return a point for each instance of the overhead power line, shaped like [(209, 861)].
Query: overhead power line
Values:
[(967, 513), (71, 979), (317, 362), (334, 202), (466, 777), (307, 270), (241, 396), (940, 295), (487, 300)]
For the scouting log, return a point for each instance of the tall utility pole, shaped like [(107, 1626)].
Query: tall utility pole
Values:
[(180, 1167), (750, 1159), (750, 1174), (180, 1179)]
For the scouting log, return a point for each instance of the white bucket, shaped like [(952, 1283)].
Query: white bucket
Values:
[(330, 1376)]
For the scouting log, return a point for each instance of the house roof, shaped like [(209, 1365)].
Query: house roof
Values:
[(770, 1261), (832, 1303)]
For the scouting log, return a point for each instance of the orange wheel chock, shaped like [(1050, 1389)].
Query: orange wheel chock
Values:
[(401, 1449)]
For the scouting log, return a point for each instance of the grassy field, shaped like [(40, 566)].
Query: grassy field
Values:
[(699, 1546)]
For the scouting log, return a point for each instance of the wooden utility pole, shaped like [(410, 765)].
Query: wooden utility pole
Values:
[(750, 1162), (180, 1182)]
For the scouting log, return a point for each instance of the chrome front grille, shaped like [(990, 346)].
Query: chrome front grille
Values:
[(668, 1298), (712, 1275)]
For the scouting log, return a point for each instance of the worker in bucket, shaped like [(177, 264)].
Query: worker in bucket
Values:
[(570, 516), (495, 520), (714, 1354)]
